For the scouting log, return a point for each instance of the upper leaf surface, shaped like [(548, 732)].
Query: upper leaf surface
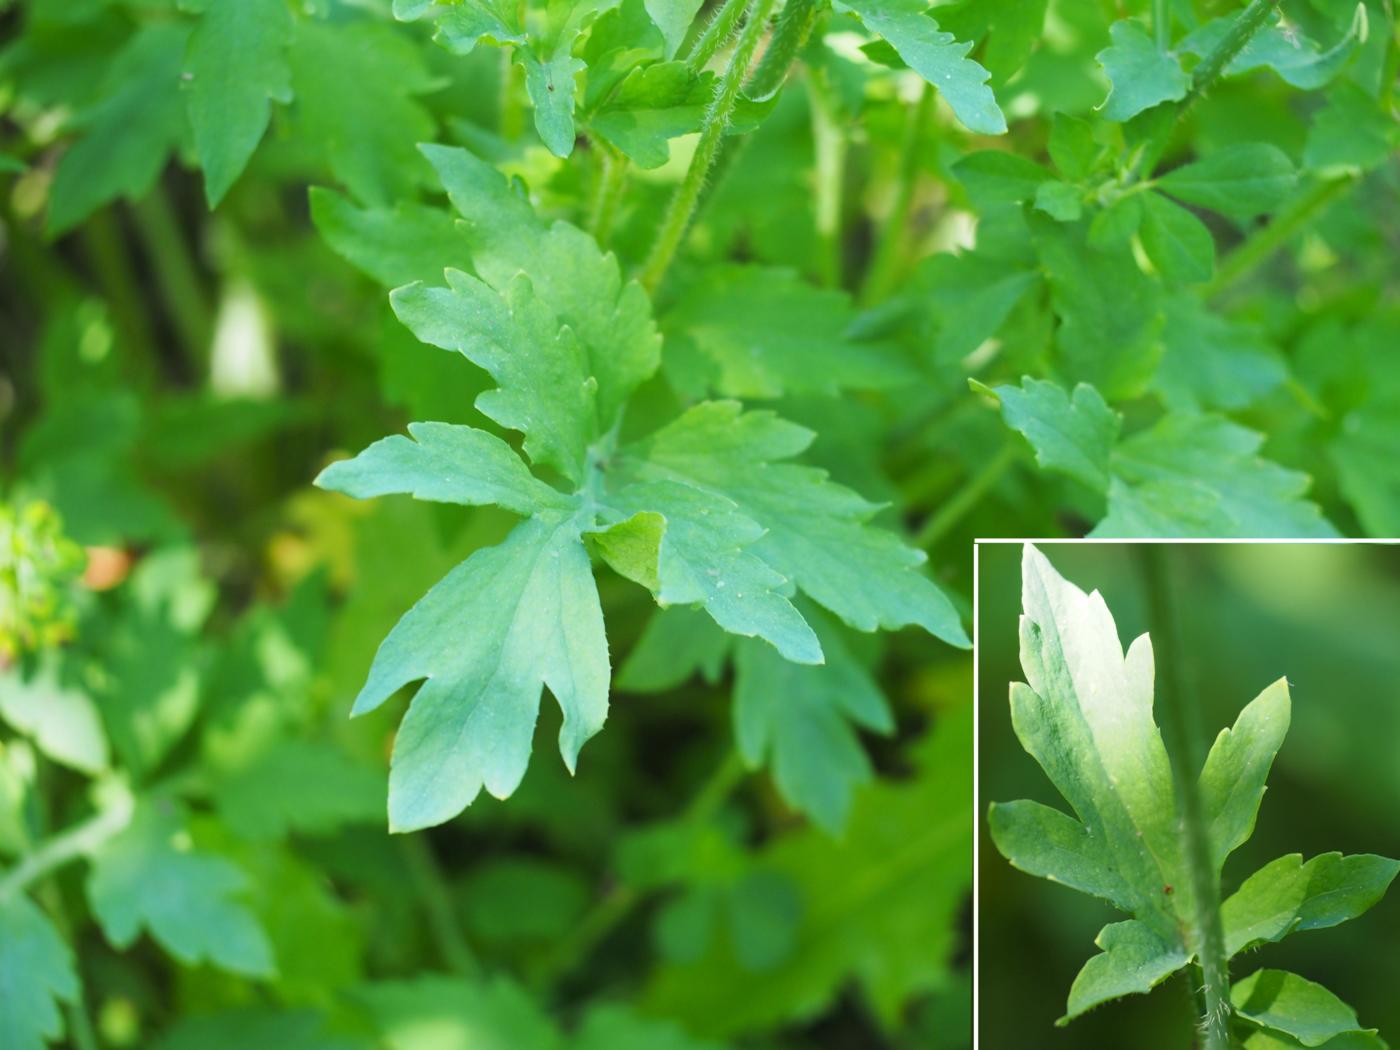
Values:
[(508, 620), (817, 533), (937, 57), (237, 64), (1284, 1002), (36, 974), (149, 877), (1141, 75)]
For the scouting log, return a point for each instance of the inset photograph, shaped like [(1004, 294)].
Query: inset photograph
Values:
[(1188, 795)]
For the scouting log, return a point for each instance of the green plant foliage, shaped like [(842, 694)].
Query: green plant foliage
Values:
[(1085, 713), (677, 321)]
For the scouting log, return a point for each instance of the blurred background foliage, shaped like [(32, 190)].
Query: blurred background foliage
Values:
[(1325, 616)]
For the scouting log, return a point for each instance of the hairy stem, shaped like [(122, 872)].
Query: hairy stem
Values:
[(1180, 722), (1260, 245), (607, 192), (966, 498), (676, 221), (432, 889), (1231, 44), (717, 31), (889, 244), (794, 25)]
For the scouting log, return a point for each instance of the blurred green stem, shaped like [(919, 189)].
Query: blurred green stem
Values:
[(889, 244), (962, 502), (82, 838), (682, 207), (1180, 723), (830, 143), (607, 192), (107, 252), (1260, 245), (176, 275), (432, 889), (1161, 24)]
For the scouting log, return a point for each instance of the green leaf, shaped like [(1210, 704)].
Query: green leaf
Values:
[(237, 64), (36, 973), (298, 785), (1368, 470), (1284, 1002), (806, 717), (1232, 780), (1353, 132), (149, 877), (767, 333), (995, 176), (235, 1029), (1199, 475), (1140, 75), (875, 905), (936, 57), (1187, 475), (673, 18), (611, 1027), (649, 107), (536, 622), (1072, 434), (676, 644), (1060, 200), (1287, 896), (411, 242), (816, 533), (1110, 312), (447, 1013), (1241, 181), (550, 82), (1178, 243), (355, 111), (1134, 961), (58, 715), (128, 135), (581, 284), (1213, 362), (1282, 48)]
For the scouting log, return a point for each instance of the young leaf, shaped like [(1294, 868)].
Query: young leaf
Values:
[(1289, 895), (1241, 181), (149, 877), (1279, 1001), (1140, 75), (1282, 48), (36, 973), (237, 64), (1072, 434), (1085, 715), (936, 57), (1178, 243)]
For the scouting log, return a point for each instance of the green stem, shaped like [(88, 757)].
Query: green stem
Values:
[(432, 890), (966, 498), (682, 207), (107, 253), (716, 33), (889, 244), (1180, 723), (1164, 119), (79, 840), (1231, 44), (712, 794), (176, 275), (1265, 241), (1161, 24), (830, 145), (794, 25), (607, 193)]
